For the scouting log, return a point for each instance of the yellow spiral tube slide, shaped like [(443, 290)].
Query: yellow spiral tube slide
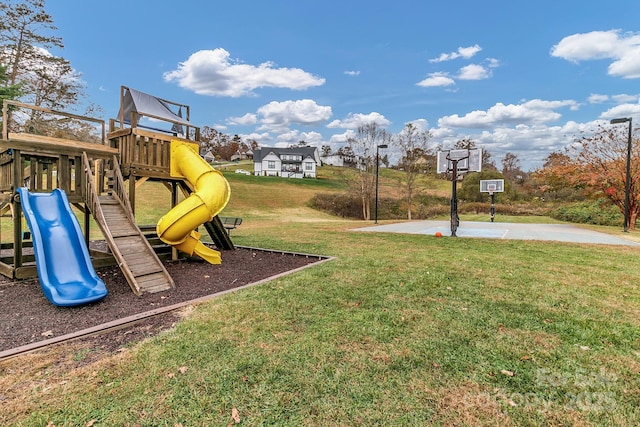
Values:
[(211, 194)]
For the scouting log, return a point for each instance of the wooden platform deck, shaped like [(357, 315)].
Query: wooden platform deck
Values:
[(48, 145)]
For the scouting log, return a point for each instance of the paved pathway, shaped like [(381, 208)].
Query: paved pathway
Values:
[(504, 230)]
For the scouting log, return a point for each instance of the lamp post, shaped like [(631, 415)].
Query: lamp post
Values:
[(378, 147), (627, 181)]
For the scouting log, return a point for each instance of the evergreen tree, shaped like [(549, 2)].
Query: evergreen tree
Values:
[(8, 91)]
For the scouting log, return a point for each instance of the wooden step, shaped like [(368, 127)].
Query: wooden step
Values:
[(152, 283), (140, 264)]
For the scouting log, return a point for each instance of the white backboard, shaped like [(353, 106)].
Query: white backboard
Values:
[(468, 160), (492, 185)]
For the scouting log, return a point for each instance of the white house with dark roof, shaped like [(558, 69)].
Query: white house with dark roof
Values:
[(295, 162)]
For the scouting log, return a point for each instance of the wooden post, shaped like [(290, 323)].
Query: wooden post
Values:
[(87, 224), (132, 193), (64, 174), (174, 202), (17, 208)]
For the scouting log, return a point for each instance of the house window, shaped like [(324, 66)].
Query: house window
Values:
[(308, 166), (271, 164)]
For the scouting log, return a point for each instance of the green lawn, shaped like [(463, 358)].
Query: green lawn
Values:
[(397, 330)]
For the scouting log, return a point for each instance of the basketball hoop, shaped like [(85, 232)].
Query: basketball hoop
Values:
[(465, 160), (457, 162), (492, 186)]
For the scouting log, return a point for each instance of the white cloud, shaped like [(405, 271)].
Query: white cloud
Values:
[(342, 138), (532, 143), (246, 120), (493, 62), (352, 73), (279, 115), (624, 98), (262, 138), (354, 121), (473, 72), (462, 52), (213, 72), (622, 110), (623, 49), (534, 111), (294, 136), (621, 98), (628, 65), (436, 80), (596, 98)]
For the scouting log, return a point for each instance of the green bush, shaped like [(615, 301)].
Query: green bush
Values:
[(349, 206), (598, 212), (342, 205), (515, 209)]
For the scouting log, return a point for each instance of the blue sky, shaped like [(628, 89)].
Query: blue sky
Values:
[(515, 76)]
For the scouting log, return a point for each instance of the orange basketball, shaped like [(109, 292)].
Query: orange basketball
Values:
[(438, 234)]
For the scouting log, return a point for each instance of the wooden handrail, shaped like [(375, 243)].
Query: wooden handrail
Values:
[(7, 102), (119, 189), (91, 196), (92, 199)]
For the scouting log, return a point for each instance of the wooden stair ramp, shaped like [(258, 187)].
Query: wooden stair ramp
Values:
[(139, 263)]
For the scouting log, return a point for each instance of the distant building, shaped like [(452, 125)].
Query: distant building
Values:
[(297, 162), (333, 160), (242, 154), (343, 160), (209, 157)]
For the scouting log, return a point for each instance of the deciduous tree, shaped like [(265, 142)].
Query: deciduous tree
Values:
[(364, 144), (558, 178), (602, 158), (414, 148), (511, 167)]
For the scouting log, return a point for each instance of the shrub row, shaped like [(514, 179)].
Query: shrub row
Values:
[(424, 207), (598, 212)]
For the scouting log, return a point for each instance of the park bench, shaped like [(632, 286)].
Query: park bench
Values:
[(230, 223)]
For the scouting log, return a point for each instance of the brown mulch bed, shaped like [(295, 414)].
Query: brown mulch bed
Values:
[(27, 317)]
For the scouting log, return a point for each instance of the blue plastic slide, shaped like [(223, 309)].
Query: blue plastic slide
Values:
[(66, 274)]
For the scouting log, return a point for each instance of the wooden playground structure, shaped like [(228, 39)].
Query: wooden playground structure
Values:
[(100, 175)]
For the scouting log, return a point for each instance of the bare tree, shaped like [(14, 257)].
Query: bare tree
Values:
[(364, 145), (487, 161), (414, 148), (511, 166), (464, 144)]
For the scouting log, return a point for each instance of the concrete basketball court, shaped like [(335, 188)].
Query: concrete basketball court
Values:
[(504, 230)]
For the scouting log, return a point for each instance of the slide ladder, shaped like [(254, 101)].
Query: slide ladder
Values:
[(139, 263)]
